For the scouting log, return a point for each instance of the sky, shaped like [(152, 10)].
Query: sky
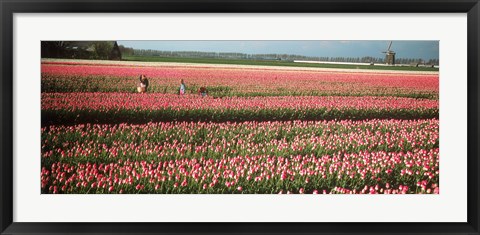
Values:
[(404, 49)]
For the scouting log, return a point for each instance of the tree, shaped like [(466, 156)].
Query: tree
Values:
[(102, 50)]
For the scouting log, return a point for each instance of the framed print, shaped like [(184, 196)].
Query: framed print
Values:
[(239, 117)]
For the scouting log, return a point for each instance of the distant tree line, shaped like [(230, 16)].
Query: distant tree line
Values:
[(126, 50), (281, 57)]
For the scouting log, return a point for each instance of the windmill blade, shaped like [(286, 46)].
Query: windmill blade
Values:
[(389, 45)]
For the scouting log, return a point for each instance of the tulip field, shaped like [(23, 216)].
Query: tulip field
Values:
[(260, 130), (235, 81)]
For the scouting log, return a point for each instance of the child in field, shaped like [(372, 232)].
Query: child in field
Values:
[(202, 91), (142, 87), (183, 88)]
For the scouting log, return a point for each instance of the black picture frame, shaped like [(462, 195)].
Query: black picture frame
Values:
[(9, 7)]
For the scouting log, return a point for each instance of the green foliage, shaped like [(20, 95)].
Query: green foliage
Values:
[(102, 50), (67, 117)]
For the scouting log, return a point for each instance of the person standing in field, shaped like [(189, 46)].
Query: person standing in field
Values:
[(183, 88), (142, 88)]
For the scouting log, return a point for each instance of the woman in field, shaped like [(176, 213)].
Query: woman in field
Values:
[(142, 87), (183, 88)]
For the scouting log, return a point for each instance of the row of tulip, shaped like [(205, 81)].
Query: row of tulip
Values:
[(76, 108), (174, 140), (365, 172), (106, 101)]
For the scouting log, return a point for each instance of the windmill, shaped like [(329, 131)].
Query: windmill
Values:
[(389, 55)]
